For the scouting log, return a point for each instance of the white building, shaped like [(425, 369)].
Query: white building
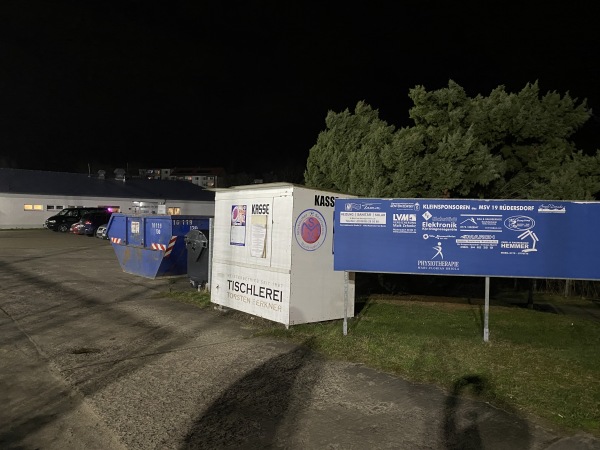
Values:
[(29, 197)]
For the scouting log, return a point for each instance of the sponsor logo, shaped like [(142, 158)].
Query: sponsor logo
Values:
[(556, 209), (409, 206), (405, 218), (310, 229), (519, 223), (437, 261), (439, 226), (404, 223), (438, 223), (371, 206), (438, 236), (438, 265), (352, 206), (438, 251)]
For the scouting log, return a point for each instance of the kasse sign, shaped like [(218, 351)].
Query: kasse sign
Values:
[(497, 238)]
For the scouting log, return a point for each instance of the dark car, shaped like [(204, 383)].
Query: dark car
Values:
[(65, 218), (89, 223)]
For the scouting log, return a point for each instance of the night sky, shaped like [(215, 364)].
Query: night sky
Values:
[(193, 83)]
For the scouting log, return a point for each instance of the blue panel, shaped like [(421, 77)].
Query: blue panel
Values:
[(500, 238), (135, 230), (117, 226)]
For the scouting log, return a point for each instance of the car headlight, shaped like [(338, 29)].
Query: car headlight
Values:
[(51, 221)]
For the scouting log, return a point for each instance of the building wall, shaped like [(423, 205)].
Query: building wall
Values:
[(31, 211)]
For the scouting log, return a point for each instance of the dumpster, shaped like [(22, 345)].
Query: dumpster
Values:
[(153, 246), (196, 244)]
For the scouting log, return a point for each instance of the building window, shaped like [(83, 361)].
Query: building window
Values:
[(58, 207), (111, 208), (174, 211), (49, 207), (33, 207)]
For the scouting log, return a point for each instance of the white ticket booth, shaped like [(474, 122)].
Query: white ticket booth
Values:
[(272, 250)]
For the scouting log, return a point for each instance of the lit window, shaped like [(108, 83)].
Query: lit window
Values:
[(174, 211), (33, 207)]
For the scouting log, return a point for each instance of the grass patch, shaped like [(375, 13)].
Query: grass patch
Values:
[(200, 299)]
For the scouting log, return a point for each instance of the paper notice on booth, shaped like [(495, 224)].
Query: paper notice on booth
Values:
[(258, 247), (238, 225)]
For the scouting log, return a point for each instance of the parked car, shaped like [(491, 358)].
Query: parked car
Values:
[(89, 223), (75, 228), (101, 231), (68, 216)]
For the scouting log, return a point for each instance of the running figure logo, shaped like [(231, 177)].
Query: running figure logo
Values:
[(438, 251)]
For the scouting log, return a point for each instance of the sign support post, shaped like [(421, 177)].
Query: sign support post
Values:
[(346, 280), (486, 329)]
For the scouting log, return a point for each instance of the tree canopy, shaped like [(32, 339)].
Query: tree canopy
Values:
[(506, 145)]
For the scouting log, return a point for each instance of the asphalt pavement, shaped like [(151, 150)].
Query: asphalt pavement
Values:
[(96, 358)]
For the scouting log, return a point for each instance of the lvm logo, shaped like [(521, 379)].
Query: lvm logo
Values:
[(405, 217)]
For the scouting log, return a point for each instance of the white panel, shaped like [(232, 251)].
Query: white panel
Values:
[(281, 255), (257, 291), (317, 290)]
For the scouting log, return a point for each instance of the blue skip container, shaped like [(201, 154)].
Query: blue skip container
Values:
[(153, 246)]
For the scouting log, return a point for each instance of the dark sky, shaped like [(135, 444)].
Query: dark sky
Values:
[(194, 83)]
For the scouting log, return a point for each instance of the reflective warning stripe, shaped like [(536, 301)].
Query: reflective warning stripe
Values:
[(115, 240), (166, 248), (170, 246)]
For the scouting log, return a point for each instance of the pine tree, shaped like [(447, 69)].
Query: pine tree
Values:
[(505, 145)]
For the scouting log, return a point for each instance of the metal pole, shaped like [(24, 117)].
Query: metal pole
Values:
[(211, 239), (486, 330), (345, 303)]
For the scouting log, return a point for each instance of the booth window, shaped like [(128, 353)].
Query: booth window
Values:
[(33, 207), (174, 211)]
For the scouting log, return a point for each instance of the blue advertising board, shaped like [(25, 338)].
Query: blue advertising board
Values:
[(496, 238)]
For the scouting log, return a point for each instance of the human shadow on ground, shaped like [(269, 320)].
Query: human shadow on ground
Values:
[(259, 407), (468, 425)]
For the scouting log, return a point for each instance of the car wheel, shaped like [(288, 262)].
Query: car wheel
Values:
[(63, 228)]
